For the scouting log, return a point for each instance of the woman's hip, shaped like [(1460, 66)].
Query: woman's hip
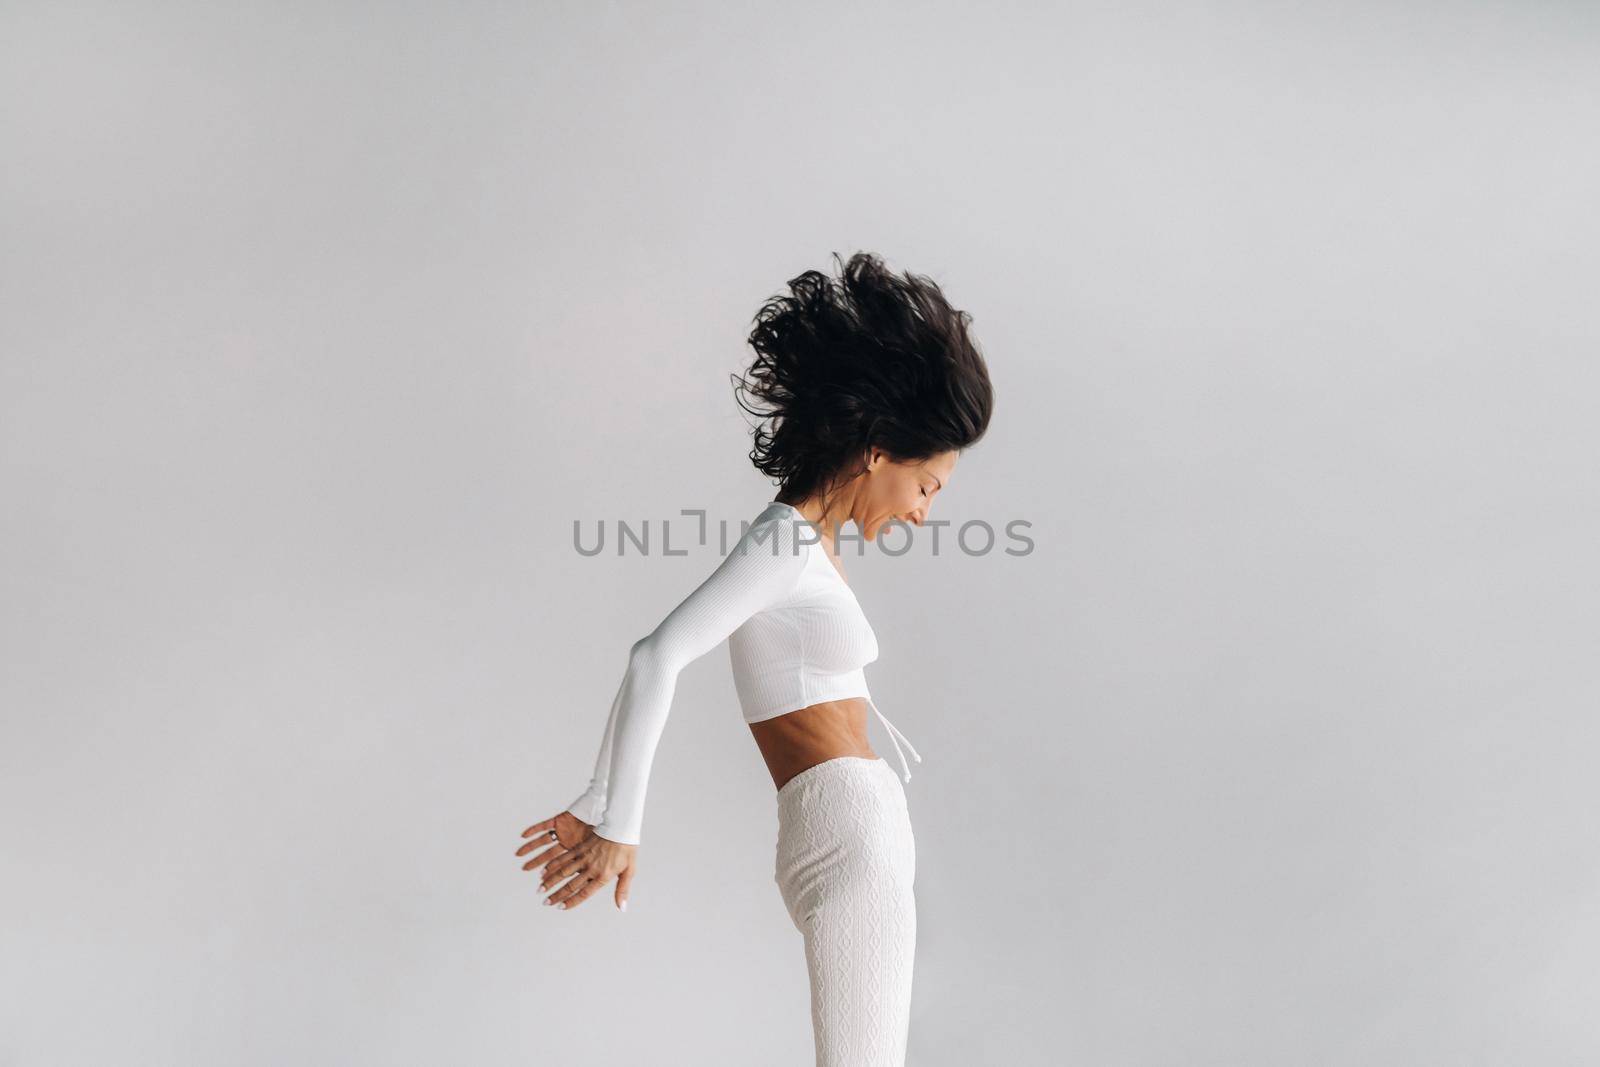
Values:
[(843, 827)]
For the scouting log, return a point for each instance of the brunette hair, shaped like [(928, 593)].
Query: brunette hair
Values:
[(873, 359)]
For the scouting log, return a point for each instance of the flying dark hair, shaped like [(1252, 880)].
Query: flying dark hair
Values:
[(872, 360)]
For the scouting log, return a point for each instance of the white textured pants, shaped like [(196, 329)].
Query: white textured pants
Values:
[(846, 860)]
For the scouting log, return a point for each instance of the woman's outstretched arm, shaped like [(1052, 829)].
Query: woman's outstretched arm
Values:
[(761, 569)]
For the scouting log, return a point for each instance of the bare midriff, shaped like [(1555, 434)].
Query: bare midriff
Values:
[(797, 740)]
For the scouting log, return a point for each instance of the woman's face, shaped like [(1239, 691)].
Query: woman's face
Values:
[(891, 489)]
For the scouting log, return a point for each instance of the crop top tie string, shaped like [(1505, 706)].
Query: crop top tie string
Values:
[(895, 737)]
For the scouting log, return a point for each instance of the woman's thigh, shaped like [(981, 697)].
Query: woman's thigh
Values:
[(860, 950), (846, 864)]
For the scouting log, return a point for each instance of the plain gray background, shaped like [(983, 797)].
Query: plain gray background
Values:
[(322, 323)]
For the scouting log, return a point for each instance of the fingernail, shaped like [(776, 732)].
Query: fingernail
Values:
[(544, 902), (562, 905), (623, 905)]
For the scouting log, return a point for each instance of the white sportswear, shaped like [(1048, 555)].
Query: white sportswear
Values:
[(796, 636)]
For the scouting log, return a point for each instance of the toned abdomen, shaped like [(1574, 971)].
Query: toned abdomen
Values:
[(792, 742)]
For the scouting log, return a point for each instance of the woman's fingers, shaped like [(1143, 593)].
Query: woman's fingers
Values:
[(573, 879), (549, 837), (561, 867), (542, 858), (624, 883), (575, 892), (548, 824), (572, 873)]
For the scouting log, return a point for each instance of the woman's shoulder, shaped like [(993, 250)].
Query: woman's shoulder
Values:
[(776, 529)]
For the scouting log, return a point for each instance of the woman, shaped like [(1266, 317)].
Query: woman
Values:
[(870, 388)]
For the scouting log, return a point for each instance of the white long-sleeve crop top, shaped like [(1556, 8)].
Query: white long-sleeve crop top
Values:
[(796, 636)]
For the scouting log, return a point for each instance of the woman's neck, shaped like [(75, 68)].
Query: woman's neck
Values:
[(827, 525)]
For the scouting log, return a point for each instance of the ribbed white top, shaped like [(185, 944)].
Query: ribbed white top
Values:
[(796, 637)]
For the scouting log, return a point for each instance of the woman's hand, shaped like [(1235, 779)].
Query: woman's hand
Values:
[(577, 853)]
